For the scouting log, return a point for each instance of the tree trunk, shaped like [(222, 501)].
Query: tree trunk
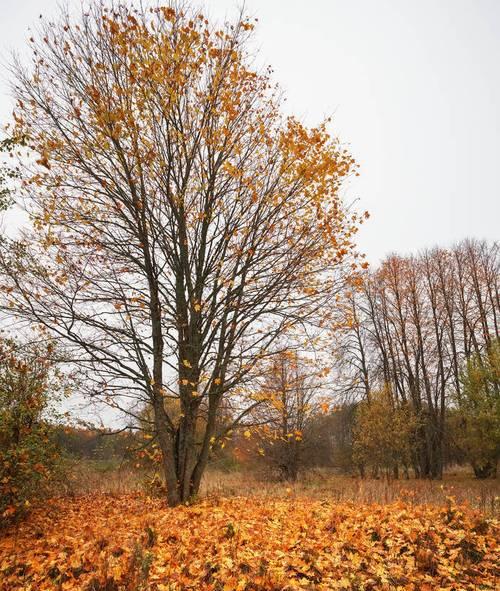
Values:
[(185, 449), (168, 456)]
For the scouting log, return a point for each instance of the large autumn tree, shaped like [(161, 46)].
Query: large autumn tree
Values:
[(181, 223)]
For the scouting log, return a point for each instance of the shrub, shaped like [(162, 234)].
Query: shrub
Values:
[(382, 433), (30, 462), (478, 410)]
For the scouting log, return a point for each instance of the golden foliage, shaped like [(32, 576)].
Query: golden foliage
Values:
[(258, 544), (383, 431), (165, 65)]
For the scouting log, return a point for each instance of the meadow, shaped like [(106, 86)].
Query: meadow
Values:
[(187, 294), (111, 478)]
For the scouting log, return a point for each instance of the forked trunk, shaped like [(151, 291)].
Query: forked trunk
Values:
[(184, 459)]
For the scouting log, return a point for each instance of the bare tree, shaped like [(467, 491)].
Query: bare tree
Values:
[(291, 391)]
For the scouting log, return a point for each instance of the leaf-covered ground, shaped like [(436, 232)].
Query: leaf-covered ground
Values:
[(105, 543)]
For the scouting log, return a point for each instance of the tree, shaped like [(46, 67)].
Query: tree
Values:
[(290, 395), (383, 434), (181, 223), (478, 404)]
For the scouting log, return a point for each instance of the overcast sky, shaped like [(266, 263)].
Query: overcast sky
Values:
[(413, 87)]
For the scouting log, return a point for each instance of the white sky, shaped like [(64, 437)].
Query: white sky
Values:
[(414, 88)]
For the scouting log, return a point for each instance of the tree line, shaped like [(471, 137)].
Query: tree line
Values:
[(415, 373), (418, 325)]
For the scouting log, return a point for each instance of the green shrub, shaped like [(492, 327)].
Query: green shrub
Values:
[(478, 412)]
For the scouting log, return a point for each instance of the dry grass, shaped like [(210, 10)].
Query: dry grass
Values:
[(94, 477), (319, 484), (87, 477)]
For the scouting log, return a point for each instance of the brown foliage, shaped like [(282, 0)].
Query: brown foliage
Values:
[(415, 323)]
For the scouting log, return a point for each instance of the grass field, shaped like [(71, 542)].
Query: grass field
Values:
[(105, 477)]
